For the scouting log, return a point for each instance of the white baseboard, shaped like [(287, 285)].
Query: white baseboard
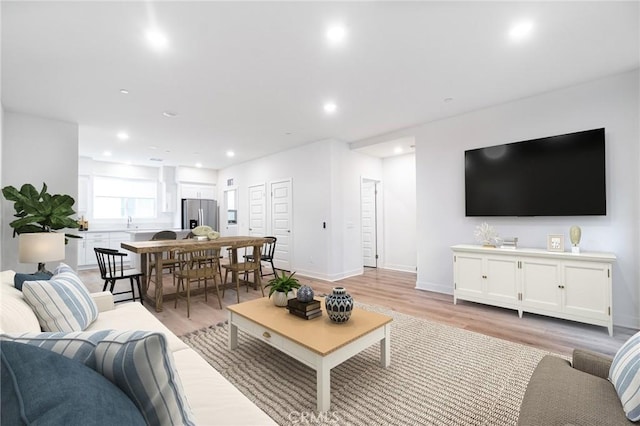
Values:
[(330, 277), (401, 268), (629, 321), (438, 288)]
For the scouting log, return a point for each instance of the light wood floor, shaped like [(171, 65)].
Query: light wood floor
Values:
[(395, 290)]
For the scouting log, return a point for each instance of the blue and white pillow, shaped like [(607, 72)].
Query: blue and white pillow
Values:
[(62, 303), (625, 376), (138, 362)]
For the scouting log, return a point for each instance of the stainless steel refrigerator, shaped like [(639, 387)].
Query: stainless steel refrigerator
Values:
[(196, 212)]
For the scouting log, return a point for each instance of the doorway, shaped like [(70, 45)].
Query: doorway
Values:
[(230, 215)]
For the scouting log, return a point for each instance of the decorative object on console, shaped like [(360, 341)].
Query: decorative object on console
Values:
[(40, 211), (41, 247), (487, 235), (305, 294), (339, 305), (555, 242), (510, 243), (575, 233), (282, 288)]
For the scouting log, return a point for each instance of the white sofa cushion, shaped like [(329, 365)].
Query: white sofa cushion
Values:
[(212, 398), (134, 316), (138, 362), (62, 303), (17, 316)]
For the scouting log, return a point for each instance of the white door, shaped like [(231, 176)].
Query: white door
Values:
[(257, 214), (281, 223), (369, 223)]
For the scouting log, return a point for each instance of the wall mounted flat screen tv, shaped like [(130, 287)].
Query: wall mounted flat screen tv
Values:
[(553, 176)]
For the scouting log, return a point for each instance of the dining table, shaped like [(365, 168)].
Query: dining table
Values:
[(159, 247)]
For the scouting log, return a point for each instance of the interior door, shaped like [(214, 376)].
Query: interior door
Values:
[(281, 223), (369, 223), (257, 214)]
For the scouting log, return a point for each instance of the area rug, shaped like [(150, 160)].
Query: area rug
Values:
[(439, 375)]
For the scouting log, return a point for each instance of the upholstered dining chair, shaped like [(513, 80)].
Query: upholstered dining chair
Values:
[(167, 262), (111, 265), (196, 265)]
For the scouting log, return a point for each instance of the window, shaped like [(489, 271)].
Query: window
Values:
[(117, 198)]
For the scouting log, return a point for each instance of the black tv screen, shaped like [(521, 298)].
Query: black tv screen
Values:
[(553, 176)]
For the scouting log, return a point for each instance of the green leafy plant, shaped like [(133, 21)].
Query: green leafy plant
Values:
[(40, 211), (283, 283)]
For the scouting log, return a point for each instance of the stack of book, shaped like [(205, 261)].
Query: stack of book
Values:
[(306, 310)]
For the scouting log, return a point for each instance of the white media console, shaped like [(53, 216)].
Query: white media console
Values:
[(558, 284)]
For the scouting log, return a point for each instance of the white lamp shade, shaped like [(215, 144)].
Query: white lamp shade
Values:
[(40, 247)]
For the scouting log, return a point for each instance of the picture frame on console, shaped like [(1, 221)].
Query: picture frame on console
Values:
[(555, 242)]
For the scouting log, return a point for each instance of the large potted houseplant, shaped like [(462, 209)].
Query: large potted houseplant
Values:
[(39, 211), (282, 288)]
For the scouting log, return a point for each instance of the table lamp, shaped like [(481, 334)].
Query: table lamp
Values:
[(40, 247)]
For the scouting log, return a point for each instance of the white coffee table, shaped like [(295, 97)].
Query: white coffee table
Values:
[(318, 343)]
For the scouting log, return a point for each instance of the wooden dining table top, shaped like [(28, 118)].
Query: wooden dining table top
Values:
[(156, 246)]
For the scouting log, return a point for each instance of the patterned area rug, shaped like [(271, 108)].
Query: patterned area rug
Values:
[(439, 375)]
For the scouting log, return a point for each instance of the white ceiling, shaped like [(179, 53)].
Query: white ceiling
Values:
[(252, 76)]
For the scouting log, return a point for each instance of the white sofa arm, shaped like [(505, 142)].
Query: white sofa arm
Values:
[(104, 300)]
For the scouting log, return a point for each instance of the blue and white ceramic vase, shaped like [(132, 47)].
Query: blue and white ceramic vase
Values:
[(305, 294), (339, 305)]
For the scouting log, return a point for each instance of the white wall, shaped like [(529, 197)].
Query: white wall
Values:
[(348, 169), (37, 150), (611, 102), (399, 194), (326, 186)]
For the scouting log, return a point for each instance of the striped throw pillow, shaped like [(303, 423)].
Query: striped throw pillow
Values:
[(625, 376), (62, 303), (138, 362)]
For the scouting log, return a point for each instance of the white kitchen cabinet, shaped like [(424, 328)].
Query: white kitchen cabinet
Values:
[(91, 240), (200, 191), (571, 286)]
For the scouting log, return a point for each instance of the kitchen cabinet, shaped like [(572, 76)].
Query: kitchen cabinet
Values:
[(102, 239), (571, 286), (200, 191)]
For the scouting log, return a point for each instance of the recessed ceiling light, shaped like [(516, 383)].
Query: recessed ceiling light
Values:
[(107, 153), (336, 34), (397, 150), (230, 153), (123, 136), (152, 147), (157, 39), (330, 107), (124, 91), (520, 30), (198, 165), (169, 114)]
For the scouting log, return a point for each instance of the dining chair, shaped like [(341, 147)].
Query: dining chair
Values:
[(168, 263), (111, 265), (266, 255), (248, 266), (196, 265)]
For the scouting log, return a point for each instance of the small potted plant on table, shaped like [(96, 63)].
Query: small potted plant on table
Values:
[(282, 288)]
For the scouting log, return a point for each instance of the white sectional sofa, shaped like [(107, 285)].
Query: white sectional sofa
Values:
[(213, 400)]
